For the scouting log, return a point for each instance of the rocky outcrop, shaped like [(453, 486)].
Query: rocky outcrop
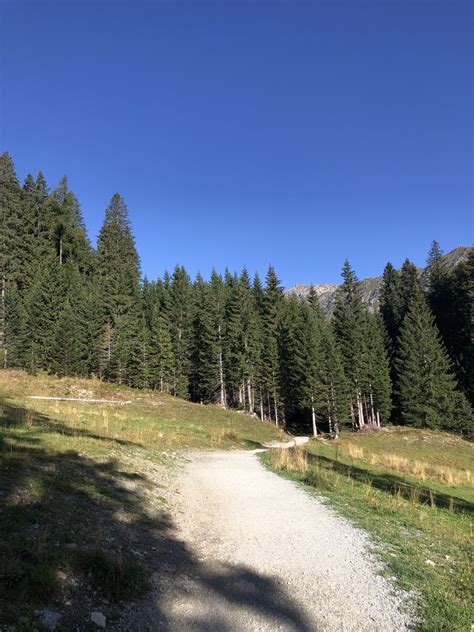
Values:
[(370, 288)]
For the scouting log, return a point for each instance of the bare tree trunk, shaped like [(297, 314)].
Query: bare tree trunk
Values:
[(2, 323), (378, 419), (313, 417), (261, 404), (329, 418), (249, 395), (222, 399), (360, 411), (61, 250), (276, 409), (372, 411)]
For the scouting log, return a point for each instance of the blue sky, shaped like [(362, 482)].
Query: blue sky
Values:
[(296, 133)]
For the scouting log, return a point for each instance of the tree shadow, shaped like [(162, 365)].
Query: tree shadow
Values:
[(78, 535), (395, 485), (16, 415)]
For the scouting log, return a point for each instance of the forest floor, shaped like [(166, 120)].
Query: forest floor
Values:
[(115, 514)]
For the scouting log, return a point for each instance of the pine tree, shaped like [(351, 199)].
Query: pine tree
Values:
[(205, 347), (271, 316), (426, 385), (217, 306), (180, 318), (409, 284), (69, 231), (233, 342), (42, 304), (162, 366), (65, 358), (363, 356), (327, 391), (390, 306), (12, 243), (251, 342), (118, 283), (378, 397)]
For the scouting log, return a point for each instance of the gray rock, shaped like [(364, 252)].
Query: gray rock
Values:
[(48, 618), (99, 619)]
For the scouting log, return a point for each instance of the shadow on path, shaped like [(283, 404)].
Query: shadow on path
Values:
[(78, 535)]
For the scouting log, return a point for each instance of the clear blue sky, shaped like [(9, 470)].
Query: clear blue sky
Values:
[(251, 132)]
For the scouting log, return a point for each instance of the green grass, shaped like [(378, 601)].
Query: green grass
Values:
[(413, 522), (78, 511)]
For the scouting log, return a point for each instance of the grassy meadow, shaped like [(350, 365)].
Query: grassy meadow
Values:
[(413, 491), (80, 491)]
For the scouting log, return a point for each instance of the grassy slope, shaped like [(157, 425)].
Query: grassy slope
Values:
[(78, 490), (423, 526)]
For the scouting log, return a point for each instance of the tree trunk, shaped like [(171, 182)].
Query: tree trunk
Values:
[(276, 409), (221, 371), (313, 418), (329, 418)]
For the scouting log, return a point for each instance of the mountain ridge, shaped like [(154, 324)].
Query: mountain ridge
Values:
[(370, 286)]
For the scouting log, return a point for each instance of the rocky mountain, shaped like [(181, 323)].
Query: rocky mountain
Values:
[(370, 287)]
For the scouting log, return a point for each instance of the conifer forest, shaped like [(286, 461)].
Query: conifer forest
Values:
[(70, 309)]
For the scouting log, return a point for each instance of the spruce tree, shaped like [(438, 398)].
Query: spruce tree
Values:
[(117, 274), (251, 342), (12, 244), (233, 342), (205, 347), (217, 307), (426, 385), (270, 370), (180, 318), (390, 305), (363, 356), (293, 353), (162, 366)]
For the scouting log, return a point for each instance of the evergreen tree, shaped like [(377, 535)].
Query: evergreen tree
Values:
[(233, 342), (426, 385), (180, 318), (205, 347), (293, 353), (12, 244), (390, 306), (42, 304), (65, 358), (69, 231), (363, 356), (270, 367), (217, 307), (162, 366), (118, 283), (251, 342)]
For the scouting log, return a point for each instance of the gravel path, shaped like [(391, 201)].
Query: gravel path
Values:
[(268, 556)]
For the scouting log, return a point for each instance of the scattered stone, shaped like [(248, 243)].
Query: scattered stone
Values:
[(430, 563), (48, 618), (99, 619)]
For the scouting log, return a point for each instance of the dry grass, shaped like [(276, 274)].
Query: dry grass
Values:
[(355, 452), (422, 470), (292, 460)]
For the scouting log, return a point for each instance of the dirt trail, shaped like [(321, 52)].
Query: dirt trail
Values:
[(268, 556)]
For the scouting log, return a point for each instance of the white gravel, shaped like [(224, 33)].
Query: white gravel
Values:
[(269, 556)]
